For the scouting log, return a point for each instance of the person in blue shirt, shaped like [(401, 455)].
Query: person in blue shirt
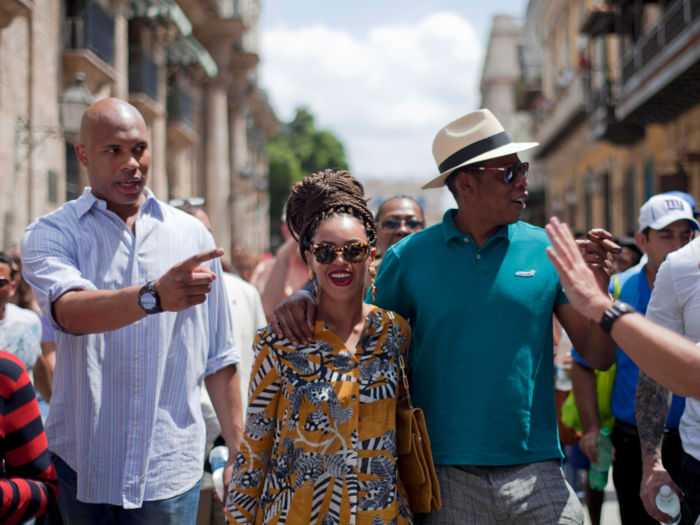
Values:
[(666, 224), (480, 293)]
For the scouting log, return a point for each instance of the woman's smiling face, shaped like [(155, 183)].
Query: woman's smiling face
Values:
[(341, 280)]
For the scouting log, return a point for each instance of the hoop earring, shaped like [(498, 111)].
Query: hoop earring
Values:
[(373, 274), (317, 295)]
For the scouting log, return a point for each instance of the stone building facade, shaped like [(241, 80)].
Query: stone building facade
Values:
[(189, 66), (616, 106)]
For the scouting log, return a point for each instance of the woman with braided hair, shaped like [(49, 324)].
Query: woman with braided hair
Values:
[(320, 440)]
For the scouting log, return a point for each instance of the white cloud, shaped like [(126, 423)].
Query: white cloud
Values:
[(386, 94)]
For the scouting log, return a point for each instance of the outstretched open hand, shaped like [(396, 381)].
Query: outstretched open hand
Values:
[(582, 287)]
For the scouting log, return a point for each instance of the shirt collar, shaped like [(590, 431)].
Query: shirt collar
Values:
[(88, 200), (451, 231)]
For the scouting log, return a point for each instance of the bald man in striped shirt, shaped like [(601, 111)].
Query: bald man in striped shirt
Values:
[(133, 288)]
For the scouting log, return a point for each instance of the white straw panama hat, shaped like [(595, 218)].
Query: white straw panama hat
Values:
[(473, 138)]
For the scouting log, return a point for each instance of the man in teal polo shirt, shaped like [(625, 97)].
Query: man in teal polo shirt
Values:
[(480, 292)]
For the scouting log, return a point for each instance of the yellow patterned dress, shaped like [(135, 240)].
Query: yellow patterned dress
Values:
[(320, 437)]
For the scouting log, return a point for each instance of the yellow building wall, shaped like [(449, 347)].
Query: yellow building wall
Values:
[(664, 145)]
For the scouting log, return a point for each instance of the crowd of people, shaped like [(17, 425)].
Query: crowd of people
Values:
[(140, 350)]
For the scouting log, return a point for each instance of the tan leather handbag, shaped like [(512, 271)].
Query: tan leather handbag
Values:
[(416, 468)]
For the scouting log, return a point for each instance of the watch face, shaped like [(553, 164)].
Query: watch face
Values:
[(148, 301)]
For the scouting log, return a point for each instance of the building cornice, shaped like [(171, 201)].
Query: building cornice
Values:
[(9, 9)]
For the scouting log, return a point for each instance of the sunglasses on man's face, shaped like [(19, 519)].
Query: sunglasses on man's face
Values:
[(395, 224), (352, 253), (510, 172)]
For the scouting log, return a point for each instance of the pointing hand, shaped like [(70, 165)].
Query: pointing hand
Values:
[(187, 283)]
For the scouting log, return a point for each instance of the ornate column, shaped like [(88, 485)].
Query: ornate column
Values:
[(239, 153), (218, 173), (218, 36)]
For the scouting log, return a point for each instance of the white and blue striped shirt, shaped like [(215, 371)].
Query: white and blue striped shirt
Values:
[(125, 412)]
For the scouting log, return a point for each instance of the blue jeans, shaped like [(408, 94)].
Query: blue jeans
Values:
[(179, 510)]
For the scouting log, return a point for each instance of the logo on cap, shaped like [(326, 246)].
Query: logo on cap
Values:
[(674, 204)]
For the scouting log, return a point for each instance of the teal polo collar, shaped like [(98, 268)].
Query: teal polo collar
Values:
[(451, 231)]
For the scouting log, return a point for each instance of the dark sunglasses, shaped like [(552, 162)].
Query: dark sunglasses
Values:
[(395, 224), (352, 253), (193, 201), (3, 282), (510, 172)]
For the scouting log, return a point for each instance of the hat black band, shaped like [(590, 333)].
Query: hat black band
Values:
[(474, 150)]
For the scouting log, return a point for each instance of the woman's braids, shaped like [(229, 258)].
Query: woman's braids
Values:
[(322, 195)]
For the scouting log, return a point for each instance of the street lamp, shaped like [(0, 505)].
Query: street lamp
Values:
[(74, 102)]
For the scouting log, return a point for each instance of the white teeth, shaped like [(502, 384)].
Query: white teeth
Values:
[(341, 275)]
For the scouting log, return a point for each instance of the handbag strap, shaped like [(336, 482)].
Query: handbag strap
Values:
[(402, 363)]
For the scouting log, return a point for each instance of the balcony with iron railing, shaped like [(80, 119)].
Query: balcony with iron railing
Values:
[(564, 113), (143, 73), (600, 109), (89, 42), (180, 106), (92, 30), (659, 72)]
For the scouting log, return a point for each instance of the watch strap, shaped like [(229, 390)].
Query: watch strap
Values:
[(612, 314), (150, 288)]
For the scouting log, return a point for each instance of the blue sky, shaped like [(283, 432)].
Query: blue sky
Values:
[(383, 75)]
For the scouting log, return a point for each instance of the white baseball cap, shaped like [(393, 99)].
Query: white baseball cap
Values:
[(661, 210)]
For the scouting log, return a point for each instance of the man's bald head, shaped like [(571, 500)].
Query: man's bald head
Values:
[(114, 149), (109, 114)]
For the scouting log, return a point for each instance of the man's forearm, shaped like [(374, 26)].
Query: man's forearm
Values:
[(667, 357), (82, 312), (225, 393), (584, 383), (599, 349), (652, 405), (593, 346)]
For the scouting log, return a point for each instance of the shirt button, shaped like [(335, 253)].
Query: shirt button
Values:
[(466, 239), (136, 390), (136, 356), (478, 256), (136, 423)]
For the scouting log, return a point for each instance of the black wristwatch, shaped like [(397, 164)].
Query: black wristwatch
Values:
[(612, 314), (149, 300)]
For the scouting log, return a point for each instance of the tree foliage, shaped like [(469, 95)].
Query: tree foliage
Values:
[(299, 150)]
